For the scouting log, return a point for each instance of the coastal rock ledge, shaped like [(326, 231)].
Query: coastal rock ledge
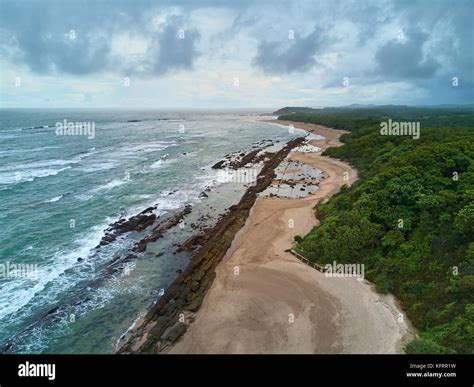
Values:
[(169, 317)]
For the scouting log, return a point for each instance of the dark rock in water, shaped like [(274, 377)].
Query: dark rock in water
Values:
[(140, 247), (107, 238), (195, 241), (135, 223), (302, 189), (134, 121), (184, 153), (6, 348), (203, 195), (130, 257), (117, 264), (240, 160), (149, 209), (80, 259), (52, 311), (218, 165), (159, 230)]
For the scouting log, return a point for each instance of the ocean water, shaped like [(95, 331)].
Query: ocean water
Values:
[(58, 193)]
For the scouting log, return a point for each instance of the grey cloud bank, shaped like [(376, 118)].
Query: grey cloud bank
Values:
[(77, 38), (295, 55), (154, 40), (403, 57)]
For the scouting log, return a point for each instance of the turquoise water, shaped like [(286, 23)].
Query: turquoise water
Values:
[(59, 193)]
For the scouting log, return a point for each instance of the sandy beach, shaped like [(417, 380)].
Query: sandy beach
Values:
[(264, 300)]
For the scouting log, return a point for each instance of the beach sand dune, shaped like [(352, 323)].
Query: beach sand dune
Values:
[(264, 300)]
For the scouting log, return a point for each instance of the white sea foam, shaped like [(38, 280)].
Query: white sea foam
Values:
[(11, 130), (138, 149), (16, 293), (111, 184), (129, 329), (7, 178), (55, 199), (174, 199), (162, 163), (102, 188), (151, 147), (16, 173), (97, 166), (36, 164), (28, 150)]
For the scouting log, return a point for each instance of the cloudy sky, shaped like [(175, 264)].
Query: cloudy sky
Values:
[(235, 54)]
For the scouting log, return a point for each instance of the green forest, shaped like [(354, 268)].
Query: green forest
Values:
[(409, 219)]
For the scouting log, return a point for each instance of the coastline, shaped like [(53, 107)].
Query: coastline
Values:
[(139, 223), (168, 318), (276, 304)]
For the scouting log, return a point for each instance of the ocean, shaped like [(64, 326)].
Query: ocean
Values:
[(60, 189)]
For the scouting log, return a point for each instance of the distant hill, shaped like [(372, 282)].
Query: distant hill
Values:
[(376, 110), (349, 118), (292, 109)]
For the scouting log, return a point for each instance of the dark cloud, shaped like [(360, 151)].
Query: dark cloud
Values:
[(452, 23), (437, 45), (37, 34), (404, 58), (293, 55), (169, 51)]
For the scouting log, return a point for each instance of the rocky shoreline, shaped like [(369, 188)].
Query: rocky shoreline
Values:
[(278, 305), (149, 227), (170, 316)]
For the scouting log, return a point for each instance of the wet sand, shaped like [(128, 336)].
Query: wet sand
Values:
[(264, 300)]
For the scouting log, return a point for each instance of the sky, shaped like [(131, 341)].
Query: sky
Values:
[(206, 54)]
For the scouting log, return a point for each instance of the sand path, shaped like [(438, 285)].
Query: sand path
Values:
[(264, 300)]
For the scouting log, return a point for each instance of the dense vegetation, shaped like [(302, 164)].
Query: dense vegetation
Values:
[(351, 118), (409, 220)]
